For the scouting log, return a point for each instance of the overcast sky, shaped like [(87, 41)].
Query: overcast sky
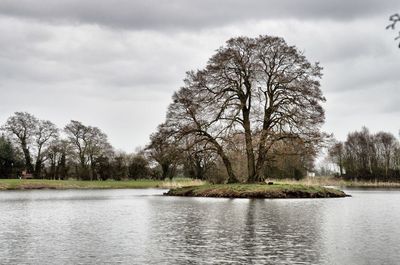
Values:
[(115, 64)]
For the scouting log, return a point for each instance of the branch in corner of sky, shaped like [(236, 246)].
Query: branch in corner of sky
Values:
[(394, 19)]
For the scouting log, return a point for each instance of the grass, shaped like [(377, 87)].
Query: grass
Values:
[(308, 187), (337, 182), (24, 184), (278, 190)]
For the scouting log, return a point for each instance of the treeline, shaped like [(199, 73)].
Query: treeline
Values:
[(33, 147), (367, 156), (38, 149)]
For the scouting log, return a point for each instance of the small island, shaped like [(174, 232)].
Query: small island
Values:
[(274, 191)]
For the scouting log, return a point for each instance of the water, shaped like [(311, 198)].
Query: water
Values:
[(142, 227)]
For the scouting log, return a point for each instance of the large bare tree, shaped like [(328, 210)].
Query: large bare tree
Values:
[(259, 87)]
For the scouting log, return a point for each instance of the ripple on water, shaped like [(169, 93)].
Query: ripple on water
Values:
[(140, 227)]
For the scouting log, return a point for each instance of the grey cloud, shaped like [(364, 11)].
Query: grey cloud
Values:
[(153, 14), (116, 65)]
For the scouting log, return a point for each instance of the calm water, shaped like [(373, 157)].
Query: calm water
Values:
[(142, 227)]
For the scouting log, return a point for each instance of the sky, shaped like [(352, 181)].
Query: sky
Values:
[(116, 64)]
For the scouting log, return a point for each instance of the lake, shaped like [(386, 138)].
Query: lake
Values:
[(143, 227)]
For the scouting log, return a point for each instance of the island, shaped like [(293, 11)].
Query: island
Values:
[(273, 191)]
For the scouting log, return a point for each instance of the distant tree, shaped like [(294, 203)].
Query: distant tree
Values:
[(57, 154), (120, 165), (368, 156), (77, 134), (85, 153), (394, 19), (336, 153), (33, 136), (10, 161), (90, 144), (98, 147), (23, 127), (104, 168), (45, 132), (165, 150), (385, 145), (360, 153), (139, 167)]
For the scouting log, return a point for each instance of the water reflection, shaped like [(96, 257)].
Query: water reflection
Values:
[(242, 231), (137, 227)]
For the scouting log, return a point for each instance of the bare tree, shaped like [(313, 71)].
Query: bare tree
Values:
[(90, 143), (336, 153), (45, 132), (259, 87), (57, 153), (368, 156), (231, 78), (97, 147), (77, 134), (290, 95), (385, 145), (23, 126), (165, 150), (193, 113)]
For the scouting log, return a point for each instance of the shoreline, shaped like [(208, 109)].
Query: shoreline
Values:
[(41, 184), (37, 184), (338, 182)]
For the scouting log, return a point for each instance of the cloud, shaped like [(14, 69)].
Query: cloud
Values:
[(116, 66), (183, 14)]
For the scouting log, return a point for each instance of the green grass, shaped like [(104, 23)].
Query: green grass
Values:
[(277, 190), (338, 182), (17, 184)]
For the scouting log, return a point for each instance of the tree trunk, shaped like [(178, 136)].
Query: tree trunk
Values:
[(199, 170), (28, 161), (165, 170), (92, 170), (38, 164), (262, 155), (249, 145), (340, 166), (38, 168), (62, 166), (82, 171), (262, 149)]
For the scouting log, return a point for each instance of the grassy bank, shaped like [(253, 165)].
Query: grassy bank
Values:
[(337, 182), (17, 184), (281, 190)]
